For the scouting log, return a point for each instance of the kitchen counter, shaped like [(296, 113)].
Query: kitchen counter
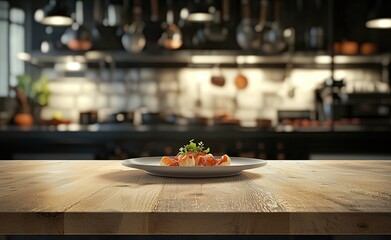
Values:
[(125, 127), (283, 197), (102, 141)]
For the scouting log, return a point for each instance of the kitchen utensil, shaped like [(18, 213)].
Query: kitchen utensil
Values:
[(89, 117), (260, 27), (151, 118), (349, 47), (368, 48), (216, 31), (133, 39), (172, 36), (153, 29), (245, 34), (314, 35), (290, 35), (78, 37), (241, 80), (226, 11), (121, 117), (198, 101), (212, 33), (114, 13), (315, 38), (273, 38), (199, 37), (226, 16), (193, 29), (98, 18), (105, 36), (217, 77)]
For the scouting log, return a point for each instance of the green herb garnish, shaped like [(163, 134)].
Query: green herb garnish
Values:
[(193, 147)]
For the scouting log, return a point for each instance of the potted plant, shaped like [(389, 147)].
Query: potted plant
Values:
[(31, 95)]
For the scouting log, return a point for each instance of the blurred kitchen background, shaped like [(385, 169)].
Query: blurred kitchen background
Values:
[(271, 79)]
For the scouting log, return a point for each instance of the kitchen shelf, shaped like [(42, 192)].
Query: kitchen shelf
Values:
[(204, 57)]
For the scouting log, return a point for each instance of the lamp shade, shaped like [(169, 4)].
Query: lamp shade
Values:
[(380, 16), (200, 11), (56, 14)]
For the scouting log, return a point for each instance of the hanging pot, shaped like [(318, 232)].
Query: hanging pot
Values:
[(260, 28), (245, 34), (217, 78), (171, 38), (153, 29), (314, 34), (273, 41), (105, 36), (78, 37), (133, 39), (241, 81), (216, 32)]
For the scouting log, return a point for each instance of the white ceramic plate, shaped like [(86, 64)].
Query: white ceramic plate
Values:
[(152, 166)]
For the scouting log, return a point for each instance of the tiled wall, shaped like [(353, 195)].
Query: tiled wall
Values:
[(189, 91)]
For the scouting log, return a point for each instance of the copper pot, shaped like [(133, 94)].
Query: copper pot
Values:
[(78, 37), (349, 47), (217, 77)]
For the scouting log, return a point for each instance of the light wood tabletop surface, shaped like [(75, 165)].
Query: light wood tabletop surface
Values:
[(283, 197)]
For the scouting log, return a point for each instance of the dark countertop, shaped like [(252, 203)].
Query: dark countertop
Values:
[(120, 127), (104, 139), (128, 131)]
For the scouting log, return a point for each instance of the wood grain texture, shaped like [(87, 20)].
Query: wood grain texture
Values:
[(284, 197)]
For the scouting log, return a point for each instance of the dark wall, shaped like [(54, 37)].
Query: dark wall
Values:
[(350, 17)]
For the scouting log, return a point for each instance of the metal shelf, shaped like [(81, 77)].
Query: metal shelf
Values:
[(202, 57)]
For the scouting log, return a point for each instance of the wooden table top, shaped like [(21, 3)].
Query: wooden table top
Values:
[(283, 197)]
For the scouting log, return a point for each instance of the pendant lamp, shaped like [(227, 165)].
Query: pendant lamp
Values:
[(54, 14), (380, 16), (200, 11)]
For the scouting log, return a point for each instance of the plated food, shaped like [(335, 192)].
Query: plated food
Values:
[(195, 155), (152, 166)]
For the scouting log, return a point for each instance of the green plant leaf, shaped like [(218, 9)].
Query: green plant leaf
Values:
[(194, 148)]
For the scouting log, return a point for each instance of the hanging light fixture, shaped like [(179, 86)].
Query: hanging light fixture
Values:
[(380, 16), (200, 11), (54, 14)]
